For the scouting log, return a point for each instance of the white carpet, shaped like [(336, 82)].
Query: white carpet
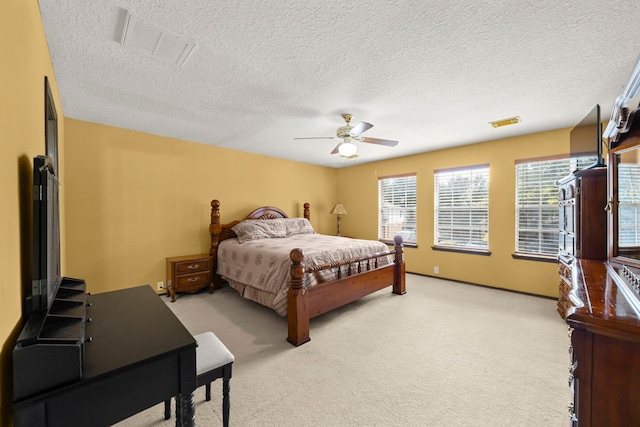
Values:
[(445, 354)]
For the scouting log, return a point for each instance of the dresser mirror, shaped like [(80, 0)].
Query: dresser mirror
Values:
[(626, 217)]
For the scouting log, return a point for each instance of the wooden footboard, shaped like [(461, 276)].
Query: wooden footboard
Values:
[(305, 303)]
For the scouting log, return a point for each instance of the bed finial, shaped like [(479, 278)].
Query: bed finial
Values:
[(215, 211), (307, 211)]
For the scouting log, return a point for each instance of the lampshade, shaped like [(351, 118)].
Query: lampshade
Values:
[(338, 209), (347, 149)]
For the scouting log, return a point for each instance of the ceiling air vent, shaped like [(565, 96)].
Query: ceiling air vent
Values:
[(155, 41), (505, 122)]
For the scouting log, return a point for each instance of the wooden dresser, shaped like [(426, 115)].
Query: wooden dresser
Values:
[(188, 273), (599, 287), (582, 197), (604, 326)]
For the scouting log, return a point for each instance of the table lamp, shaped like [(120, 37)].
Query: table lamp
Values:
[(338, 209)]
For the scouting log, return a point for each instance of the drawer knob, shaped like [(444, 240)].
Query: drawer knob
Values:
[(193, 266), (193, 279)]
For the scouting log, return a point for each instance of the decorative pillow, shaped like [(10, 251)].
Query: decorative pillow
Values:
[(255, 229), (298, 226)]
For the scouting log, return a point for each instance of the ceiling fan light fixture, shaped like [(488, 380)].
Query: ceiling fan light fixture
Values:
[(347, 149), (505, 122)]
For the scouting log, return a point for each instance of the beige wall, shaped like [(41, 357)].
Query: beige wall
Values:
[(25, 62), (133, 199), (499, 269)]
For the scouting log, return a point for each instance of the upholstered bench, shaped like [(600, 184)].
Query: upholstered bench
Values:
[(213, 361)]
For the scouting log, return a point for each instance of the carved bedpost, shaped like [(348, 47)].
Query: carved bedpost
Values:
[(399, 269), (307, 211), (214, 227), (215, 230), (297, 307)]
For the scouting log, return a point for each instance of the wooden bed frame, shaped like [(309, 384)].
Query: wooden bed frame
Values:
[(305, 303)]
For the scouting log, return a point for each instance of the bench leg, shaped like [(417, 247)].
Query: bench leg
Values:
[(225, 401), (178, 412), (167, 409), (207, 392)]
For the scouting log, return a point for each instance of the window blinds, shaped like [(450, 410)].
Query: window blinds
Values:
[(462, 207), (537, 212), (628, 205), (397, 208)]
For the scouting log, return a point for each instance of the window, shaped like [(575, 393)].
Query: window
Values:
[(628, 205), (397, 208), (462, 208), (537, 202)]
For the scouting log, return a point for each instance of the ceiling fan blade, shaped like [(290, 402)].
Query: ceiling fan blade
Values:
[(360, 128), (317, 137), (336, 150), (387, 142)]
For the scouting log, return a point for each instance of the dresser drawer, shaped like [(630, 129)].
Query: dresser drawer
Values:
[(565, 287)]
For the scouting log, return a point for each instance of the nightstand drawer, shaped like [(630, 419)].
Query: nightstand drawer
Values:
[(193, 266), (192, 282)]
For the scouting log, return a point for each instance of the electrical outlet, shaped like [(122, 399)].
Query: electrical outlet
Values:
[(436, 270), (160, 285)]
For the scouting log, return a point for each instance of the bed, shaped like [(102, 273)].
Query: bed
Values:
[(282, 263)]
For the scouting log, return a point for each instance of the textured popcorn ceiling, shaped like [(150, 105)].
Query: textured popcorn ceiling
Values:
[(430, 74)]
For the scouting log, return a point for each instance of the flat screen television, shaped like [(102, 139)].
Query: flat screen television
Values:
[(46, 235), (586, 138)]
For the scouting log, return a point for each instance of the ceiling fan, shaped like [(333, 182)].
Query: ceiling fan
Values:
[(348, 133)]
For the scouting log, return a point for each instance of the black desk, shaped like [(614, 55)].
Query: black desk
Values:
[(139, 355)]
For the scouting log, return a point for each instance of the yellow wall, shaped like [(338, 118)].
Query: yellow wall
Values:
[(498, 270), (133, 199), (25, 62), (130, 199)]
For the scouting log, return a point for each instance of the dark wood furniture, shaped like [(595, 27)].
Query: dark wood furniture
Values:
[(305, 303), (128, 366), (213, 361), (582, 197), (188, 273), (602, 298), (605, 349)]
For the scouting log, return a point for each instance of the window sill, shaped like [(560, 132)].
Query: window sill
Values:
[(534, 257), (404, 244), (483, 252)]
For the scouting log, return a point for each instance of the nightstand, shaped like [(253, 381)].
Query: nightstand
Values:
[(188, 273)]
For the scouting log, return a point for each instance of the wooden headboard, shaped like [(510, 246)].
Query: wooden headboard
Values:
[(220, 232), (267, 212)]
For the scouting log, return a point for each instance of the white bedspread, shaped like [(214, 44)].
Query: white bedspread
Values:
[(259, 269)]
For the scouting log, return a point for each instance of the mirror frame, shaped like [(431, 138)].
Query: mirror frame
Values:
[(632, 143)]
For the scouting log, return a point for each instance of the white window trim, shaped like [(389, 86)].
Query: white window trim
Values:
[(547, 193), (403, 209), (458, 236)]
